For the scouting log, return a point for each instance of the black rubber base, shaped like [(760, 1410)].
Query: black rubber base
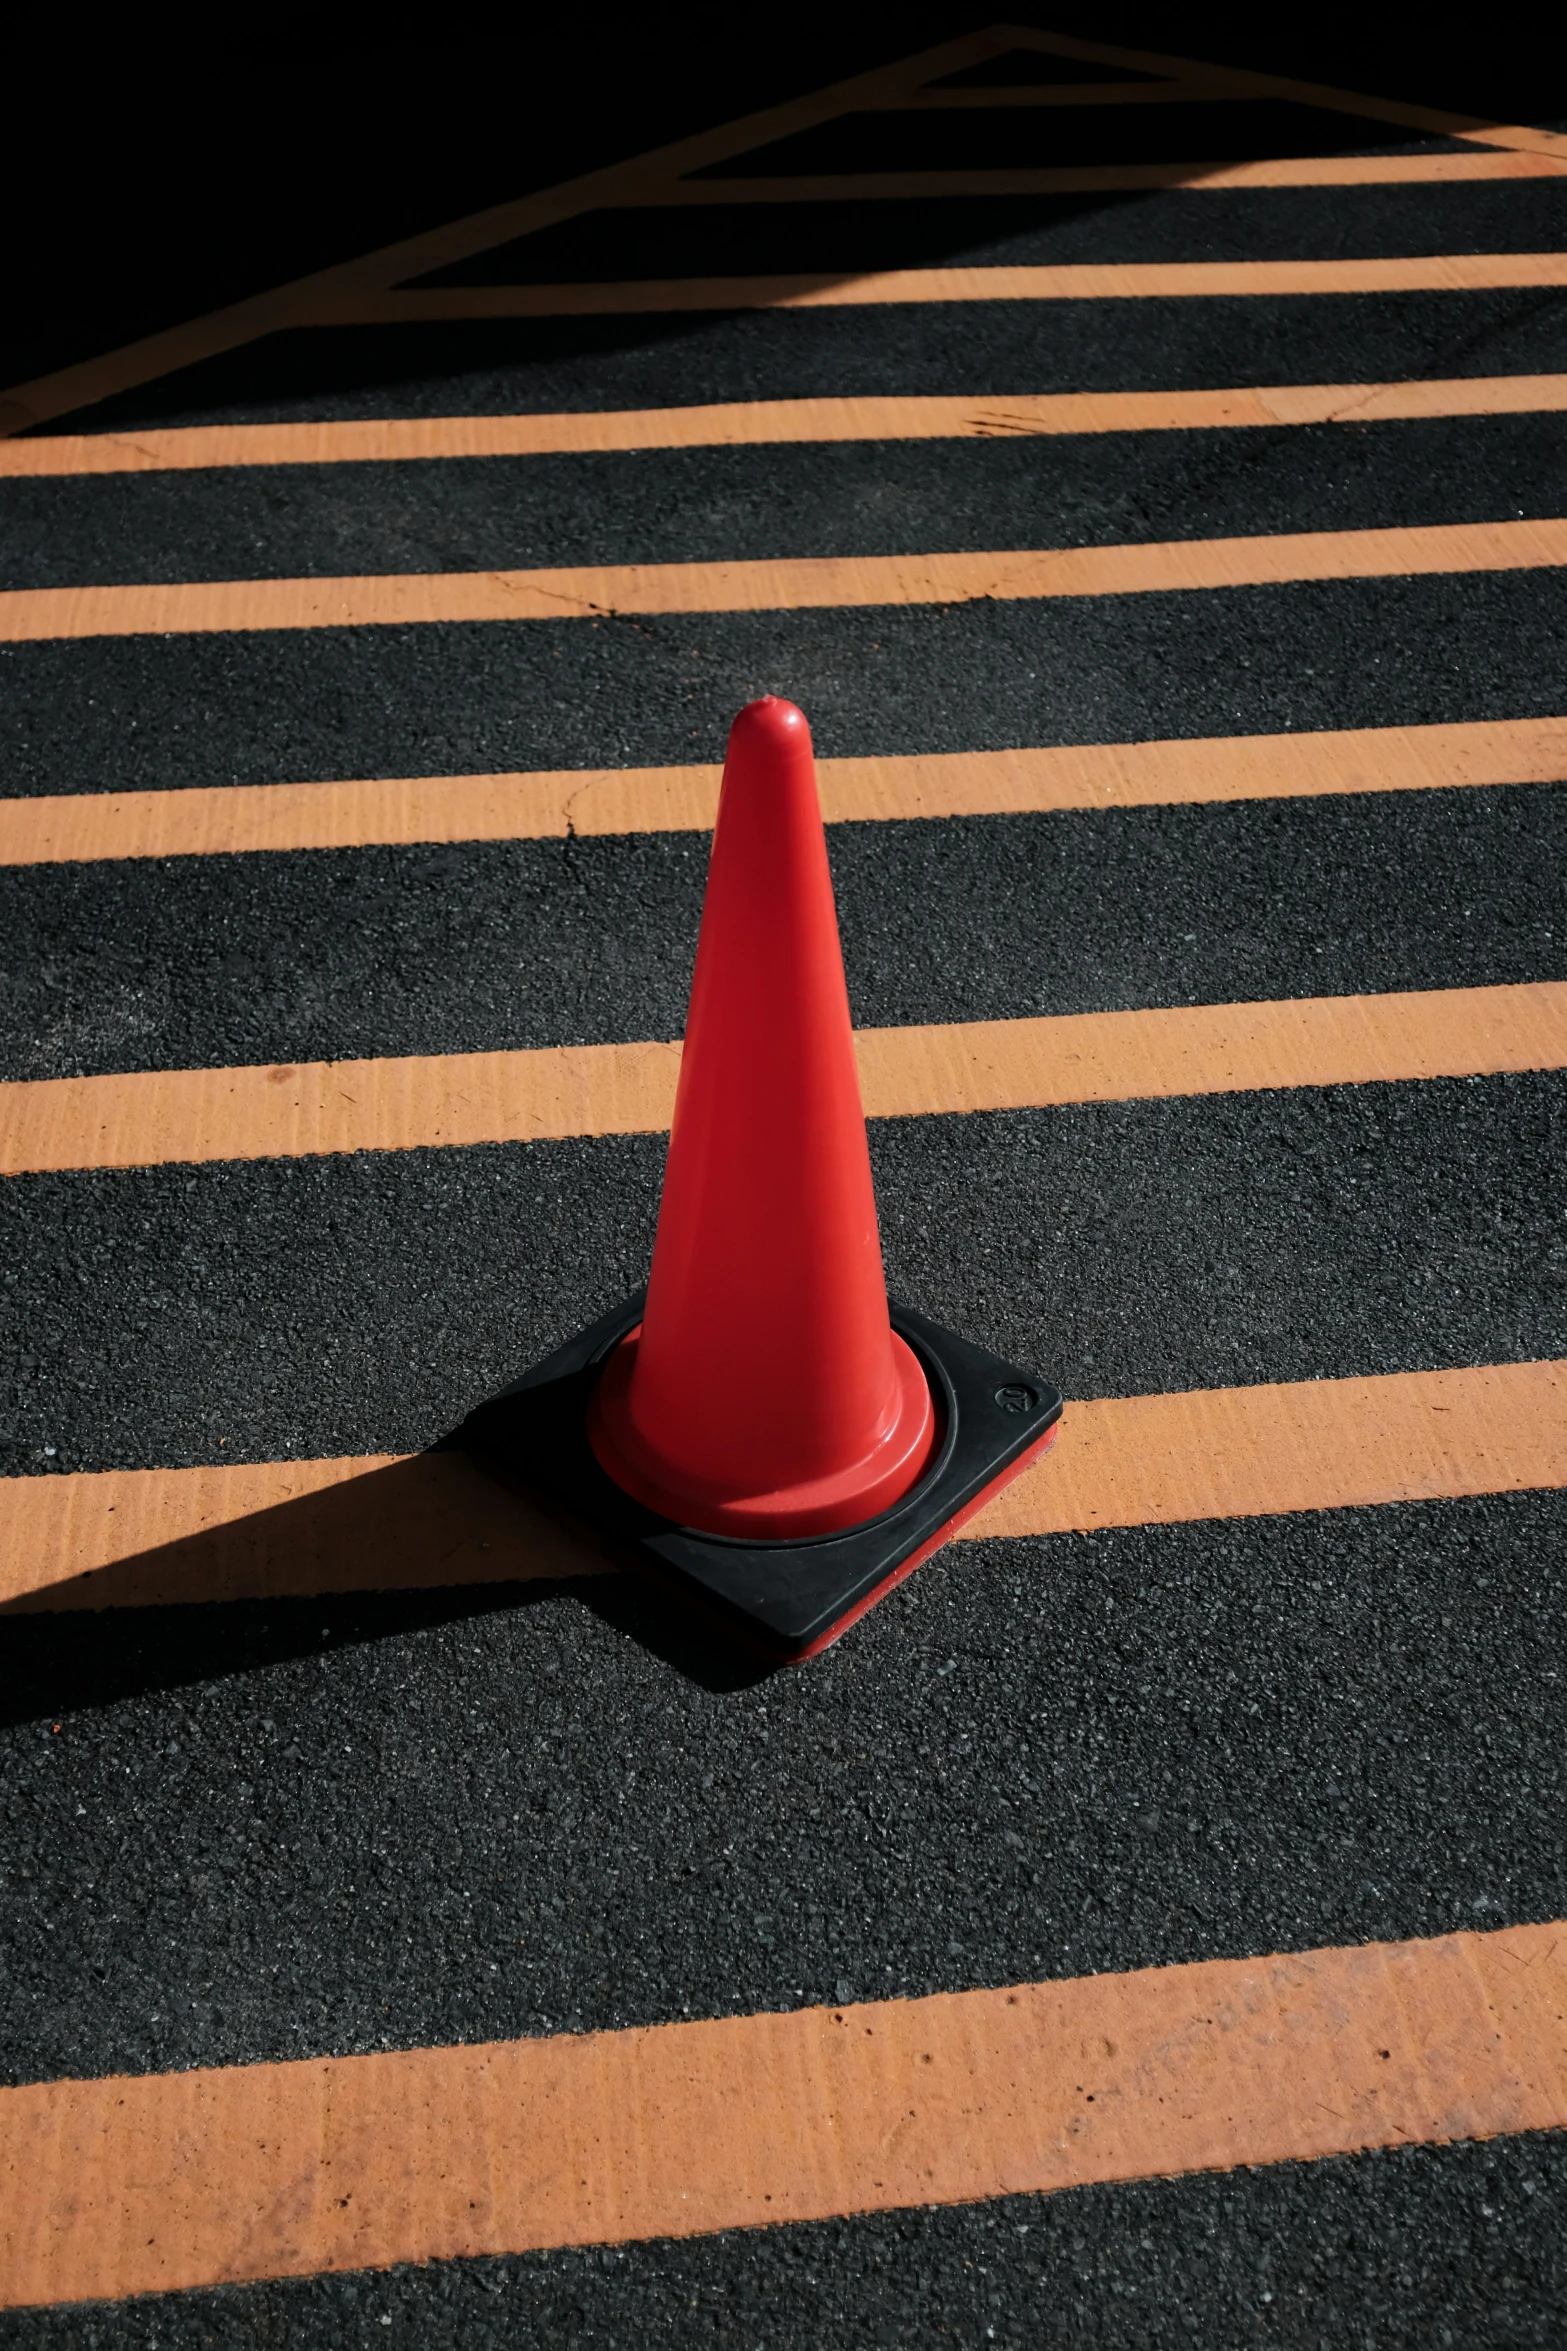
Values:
[(789, 1597)]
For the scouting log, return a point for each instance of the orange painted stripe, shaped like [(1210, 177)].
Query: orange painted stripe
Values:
[(1528, 144), (1527, 137), (1046, 282), (272, 1530), (1293, 171), (87, 381), (805, 583), (751, 423), (1364, 171), (1243, 82), (224, 818), (150, 1118), (1211, 1048), (1213, 1453), (80, 385), (135, 2185)]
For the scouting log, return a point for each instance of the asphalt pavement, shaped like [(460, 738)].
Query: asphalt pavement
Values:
[(248, 1832)]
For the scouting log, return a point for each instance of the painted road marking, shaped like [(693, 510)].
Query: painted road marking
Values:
[(209, 820), (756, 423), (1244, 82), (271, 1530), (804, 583), (136, 2185), (1102, 281), (1293, 171), (131, 1538), (115, 2187), (152, 1118), (629, 182), (649, 178)]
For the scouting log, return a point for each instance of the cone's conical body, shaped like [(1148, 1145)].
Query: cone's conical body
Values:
[(766, 1394)]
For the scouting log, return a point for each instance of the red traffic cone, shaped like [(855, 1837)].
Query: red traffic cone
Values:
[(765, 1394), (761, 1432)]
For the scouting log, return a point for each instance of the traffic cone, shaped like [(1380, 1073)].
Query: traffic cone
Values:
[(765, 1393), (760, 1430)]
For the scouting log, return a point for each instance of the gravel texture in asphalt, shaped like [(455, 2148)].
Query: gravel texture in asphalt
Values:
[(783, 501), (474, 946), (103, 714), (271, 1830), (364, 1304), (1426, 2249), (251, 1831), (1157, 343)]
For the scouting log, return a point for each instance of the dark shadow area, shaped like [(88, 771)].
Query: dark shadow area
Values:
[(297, 172), (417, 1543), (172, 195), (391, 370), (430, 1522), (58, 1663), (700, 1653), (833, 239), (1189, 133), (1034, 69)]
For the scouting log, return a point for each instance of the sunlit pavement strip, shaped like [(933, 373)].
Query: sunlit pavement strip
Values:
[(757, 423), (139, 1537), (282, 2170), (31, 615), (153, 1117), (218, 819)]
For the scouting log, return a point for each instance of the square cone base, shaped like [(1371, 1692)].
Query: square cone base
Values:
[(788, 1598)]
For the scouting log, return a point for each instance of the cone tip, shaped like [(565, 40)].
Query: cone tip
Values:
[(772, 723)]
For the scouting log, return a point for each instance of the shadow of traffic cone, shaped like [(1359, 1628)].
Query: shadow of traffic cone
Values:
[(763, 1432), (766, 1393)]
